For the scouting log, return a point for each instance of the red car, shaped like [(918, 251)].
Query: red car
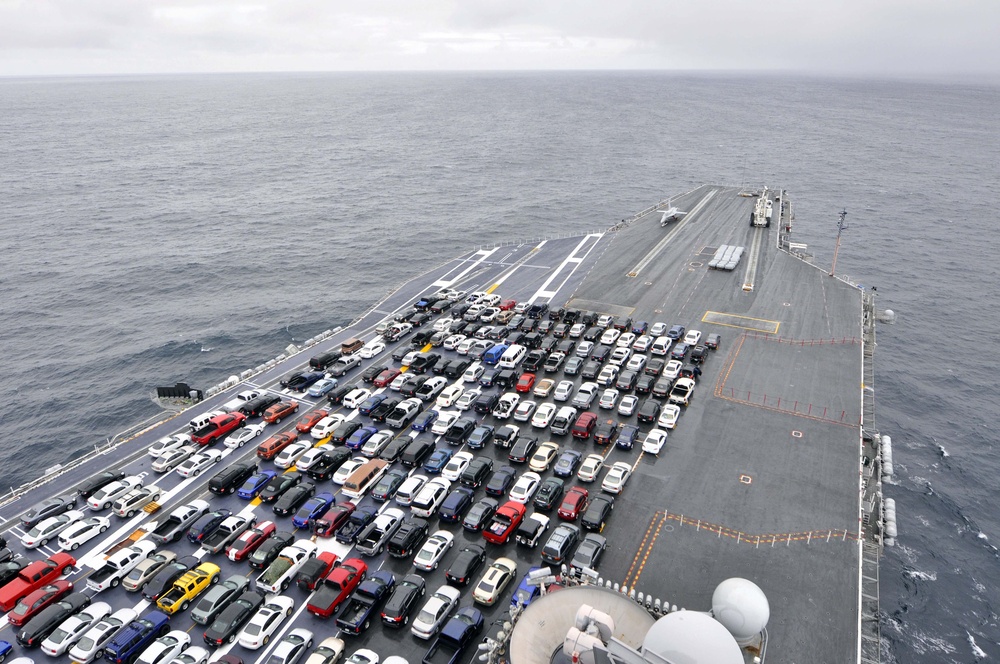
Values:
[(507, 305), (525, 383), (33, 577), (35, 601), (271, 447), (386, 377), (504, 523), (280, 410), (249, 541), (309, 420), (331, 522), (337, 587), (574, 503)]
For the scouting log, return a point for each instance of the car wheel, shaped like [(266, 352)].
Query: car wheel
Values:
[(278, 421), (232, 489), (232, 637), (130, 514), (99, 655), (76, 545), (43, 542), (284, 585), (406, 620), (196, 473), (103, 528), (107, 505), (184, 606), (367, 624), (114, 583), (266, 639), (215, 579)]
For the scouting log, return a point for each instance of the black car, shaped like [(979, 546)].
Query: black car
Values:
[(460, 430), (357, 522), (588, 317), (605, 432), (545, 326), (164, 579), (593, 333), (549, 494), (537, 310), (528, 324), (292, 499), (623, 323), (386, 487), (372, 372), (662, 387), (381, 411), (654, 367), (557, 314), (343, 432), (278, 485), (485, 403), (412, 384), (644, 384), (408, 539), (571, 316), (649, 410), (560, 331), (45, 621), (627, 436), (265, 554), (455, 504), (713, 341), (590, 370), (534, 360), (479, 514), (699, 354), (232, 619), (11, 568), (532, 340), (206, 525), (626, 380), (337, 394), (395, 448), (404, 598), (501, 480), (421, 338), (457, 367), (301, 380), (328, 463), (468, 561), (549, 344), (86, 488), (480, 437), (476, 472), (600, 353), (523, 449), (588, 554), (46, 508), (598, 512)]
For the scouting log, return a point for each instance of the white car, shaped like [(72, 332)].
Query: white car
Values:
[(608, 375), (291, 647), (543, 457), (452, 342), (473, 373), (626, 340), (168, 443), (311, 456), (506, 405), (192, 655), (543, 416), (83, 531), (363, 656), (443, 324), (329, 651), (375, 444), (577, 330), (94, 639), (610, 337), (584, 348), (616, 478), (521, 307), (49, 528), (347, 469), (628, 404), (355, 397), (619, 356), (658, 329), (193, 466), (435, 612), (668, 416), (692, 337), (409, 489), (456, 466), (590, 468), (466, 345), (449, 396), (609, 398), (642, 344), (673, 369), (564, 390), (654, 440), (170, 460), (433, 550), (73, 628), (525, 488), (165, 648), (291, 454), (524, 411), (466, 400), (105, 497), (325, 426), (397, 383), (444, 420), (262, 626), (409, 357), (244, 435), (636, 363), (371, 349)]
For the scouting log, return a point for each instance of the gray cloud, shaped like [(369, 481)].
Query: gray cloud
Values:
[(908, 37)]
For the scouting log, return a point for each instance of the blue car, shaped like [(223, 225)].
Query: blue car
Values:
[(437, 461), (525, 593), (640, 328), (323, 387), (5, 648), (255, 484), (424, 420), (313, 508), (371, 403), (567, 463), (358, 439)]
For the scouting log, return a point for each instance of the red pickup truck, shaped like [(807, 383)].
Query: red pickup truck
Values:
[(218, 427), (504, 523), (337, 587), (33, 577)]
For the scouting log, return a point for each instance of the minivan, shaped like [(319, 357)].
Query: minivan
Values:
[(416, 452), (492, 355), (351, 346), (364, 478), (512, 357), (231, 478), (324, 360)]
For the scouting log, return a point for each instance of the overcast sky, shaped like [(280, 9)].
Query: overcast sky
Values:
[(855, 37)]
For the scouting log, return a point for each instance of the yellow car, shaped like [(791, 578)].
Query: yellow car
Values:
[(188, 587)]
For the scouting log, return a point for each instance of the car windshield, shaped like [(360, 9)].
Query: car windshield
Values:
[(486, 586), (253, 629), (426, 617), (85, 644)]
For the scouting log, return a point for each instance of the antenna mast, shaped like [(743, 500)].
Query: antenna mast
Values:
[(840, 229)]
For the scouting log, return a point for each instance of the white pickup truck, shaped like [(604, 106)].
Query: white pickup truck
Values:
[(119, 565), (241, 398), (278, 576)]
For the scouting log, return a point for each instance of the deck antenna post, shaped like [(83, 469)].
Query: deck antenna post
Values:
[(840, 229)]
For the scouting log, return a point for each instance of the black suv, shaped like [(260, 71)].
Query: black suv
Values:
[(396, 612), (408, 538)]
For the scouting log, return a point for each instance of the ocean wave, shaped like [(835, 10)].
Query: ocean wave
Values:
[(977, 652)]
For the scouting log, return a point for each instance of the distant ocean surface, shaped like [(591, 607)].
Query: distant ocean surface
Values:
[(158, 229)]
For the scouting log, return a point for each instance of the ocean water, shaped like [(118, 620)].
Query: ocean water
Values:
[(158, 229)]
